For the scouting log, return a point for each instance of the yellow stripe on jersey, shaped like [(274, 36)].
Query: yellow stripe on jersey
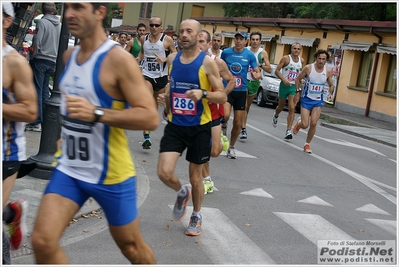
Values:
[(120, 162), (205, 85)]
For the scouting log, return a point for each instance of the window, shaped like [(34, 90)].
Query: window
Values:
[(366, 64), (146, 10), (390, 86)]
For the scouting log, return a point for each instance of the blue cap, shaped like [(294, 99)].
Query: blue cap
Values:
[(243, 34)]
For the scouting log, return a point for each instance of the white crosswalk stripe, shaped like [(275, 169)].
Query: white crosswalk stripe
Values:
[(387, 225), (224, 242), (313, 227)]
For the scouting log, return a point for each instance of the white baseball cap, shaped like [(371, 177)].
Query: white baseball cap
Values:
[(8, 8)]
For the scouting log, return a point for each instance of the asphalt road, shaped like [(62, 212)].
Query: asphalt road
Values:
[(272, 204)]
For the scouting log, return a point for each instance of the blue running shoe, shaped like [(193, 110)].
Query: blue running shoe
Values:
[(179, 210), (195, 226)]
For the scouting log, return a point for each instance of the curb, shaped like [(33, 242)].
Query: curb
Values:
[(331, 126)]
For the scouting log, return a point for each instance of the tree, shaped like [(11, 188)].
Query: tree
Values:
[(318, 10)]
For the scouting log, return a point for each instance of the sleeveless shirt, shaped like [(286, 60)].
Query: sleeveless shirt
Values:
[(151, 68), (14, 142), (94, 153), (292, 70), (183, 77)]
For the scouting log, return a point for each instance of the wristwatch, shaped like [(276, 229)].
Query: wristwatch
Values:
[(98, 112), (298, 90), (204, 93)]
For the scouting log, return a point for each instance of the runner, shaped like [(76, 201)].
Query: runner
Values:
[(156, 47), (219, 141), (19, 106), (239, 60), (97, 105), (253, 85), (290, 66), (192, 75), (134, 45), (315, 75)]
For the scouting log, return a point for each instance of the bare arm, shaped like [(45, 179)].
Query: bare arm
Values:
[(305, 71), (283, 62), (331, 87), (141, 54), (129, 45), (22, 86), (266, 63), (126, 83), (168, 45), (226, 75), (218, 95), (256, 74)]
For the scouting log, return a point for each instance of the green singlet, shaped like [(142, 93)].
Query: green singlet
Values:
[(136, 48)]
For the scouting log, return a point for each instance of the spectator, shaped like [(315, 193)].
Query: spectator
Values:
[(44, 57)]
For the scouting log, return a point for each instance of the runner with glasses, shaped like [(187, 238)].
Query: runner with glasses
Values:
[(156, 47)]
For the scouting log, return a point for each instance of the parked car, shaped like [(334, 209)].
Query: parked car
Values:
[(268, 90)]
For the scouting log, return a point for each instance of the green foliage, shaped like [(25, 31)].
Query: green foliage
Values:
[(315, 10)]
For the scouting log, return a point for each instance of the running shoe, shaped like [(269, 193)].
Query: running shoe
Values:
[(225, 142), (297, 126), (208, 186), (195, 226), (179, 210), (34, 128), (288, 135), (17, 229), (243, 134), (275, 120), (231, 153), (307, 149), (147, 143)]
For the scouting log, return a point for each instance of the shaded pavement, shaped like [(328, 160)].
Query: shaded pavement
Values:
[(32, 188)]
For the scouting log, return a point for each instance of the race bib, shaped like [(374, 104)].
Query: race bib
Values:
[(183, 105), (315, 90), (152, 65), (292, 75), (238, 81), (77, 143)]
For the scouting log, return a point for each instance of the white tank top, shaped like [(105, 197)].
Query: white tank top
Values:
[(249, 76), (314, 84), (292, 70), (14, 142), (150, 67), (94, 153)]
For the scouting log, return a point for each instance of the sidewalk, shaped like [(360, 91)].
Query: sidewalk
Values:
[(32, 188)]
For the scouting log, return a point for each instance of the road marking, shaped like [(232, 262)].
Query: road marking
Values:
[(224, 242), (239, 154), (363, 179), (315, 200), (387, 225), (259, 192), (313, 227), (349, 144), (372, 209)]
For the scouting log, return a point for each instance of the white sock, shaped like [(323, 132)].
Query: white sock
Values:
[(208, 178), (182, 192)]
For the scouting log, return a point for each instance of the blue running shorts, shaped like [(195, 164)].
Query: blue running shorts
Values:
[(119, 201)]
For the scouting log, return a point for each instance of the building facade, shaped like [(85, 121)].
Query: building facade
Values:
[(363, 52)]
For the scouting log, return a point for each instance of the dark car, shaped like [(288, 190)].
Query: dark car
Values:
[(268, 90)]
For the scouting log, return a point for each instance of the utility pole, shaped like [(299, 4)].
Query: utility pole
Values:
[(51, 126)]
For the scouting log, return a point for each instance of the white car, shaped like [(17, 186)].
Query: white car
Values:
[(268, 90)]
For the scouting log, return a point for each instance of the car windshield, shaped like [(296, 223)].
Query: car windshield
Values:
[(273, 75)]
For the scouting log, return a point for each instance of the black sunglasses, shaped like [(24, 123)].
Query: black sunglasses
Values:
[(155, 25)]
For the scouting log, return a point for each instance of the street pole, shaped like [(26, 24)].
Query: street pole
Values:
[(51, 126)]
